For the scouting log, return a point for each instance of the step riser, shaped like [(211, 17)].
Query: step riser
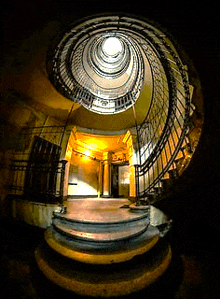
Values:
[(105, 282), (96, 227), (103, 238), (85, 245), (98, 232), (126, 220)]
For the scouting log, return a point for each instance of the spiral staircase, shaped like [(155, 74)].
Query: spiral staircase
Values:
[(103, 63)]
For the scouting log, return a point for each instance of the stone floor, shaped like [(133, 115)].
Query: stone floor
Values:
[(192, 275), (99, 210), (107, 210)]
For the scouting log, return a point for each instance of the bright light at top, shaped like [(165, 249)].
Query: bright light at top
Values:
[(112, 46)]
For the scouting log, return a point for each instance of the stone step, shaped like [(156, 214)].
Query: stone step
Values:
[(179, 160), (166, 183), (102, 219), (173, 173), (100, 233), (97, 252), (158, 189), (186, 149), (152, 196), (104, 280)]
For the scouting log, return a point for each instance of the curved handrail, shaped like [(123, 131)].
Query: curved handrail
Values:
[(163, 135)]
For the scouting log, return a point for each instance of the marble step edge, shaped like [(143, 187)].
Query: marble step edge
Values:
[(95, 222), (115, 236), (101, 253), (102, 284), (94, 227)]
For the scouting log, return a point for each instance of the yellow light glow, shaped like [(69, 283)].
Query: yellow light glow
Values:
[(68, 153), (82, 187), (87, 153)]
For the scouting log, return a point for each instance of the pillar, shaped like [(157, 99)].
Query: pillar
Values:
[(100, 187), (129, 140), (66, 152), (107, 157), (132, 191)]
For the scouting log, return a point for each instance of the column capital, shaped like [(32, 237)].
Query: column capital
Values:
[(107, 156)]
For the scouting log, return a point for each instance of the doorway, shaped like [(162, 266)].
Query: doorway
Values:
[(114, 180), (120, 180)]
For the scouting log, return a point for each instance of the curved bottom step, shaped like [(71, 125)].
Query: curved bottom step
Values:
[(102, 253), (99, 231), (104, 280)]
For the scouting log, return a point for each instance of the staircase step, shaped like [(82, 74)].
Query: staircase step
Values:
[(179, 155), (166, 176), (179, 161), (102, 252), (173, 173), (103, 221), (152, 197), (158, 190), (166, 183), (182, 162), (186, 149), (98, 233), (101, 281)]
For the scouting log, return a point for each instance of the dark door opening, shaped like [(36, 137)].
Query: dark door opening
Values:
[(114, 181)]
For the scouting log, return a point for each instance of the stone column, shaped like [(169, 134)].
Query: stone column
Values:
[(132, 190), (107, 156), (66, 179), (129, 141), (66, 154), (100, 187)]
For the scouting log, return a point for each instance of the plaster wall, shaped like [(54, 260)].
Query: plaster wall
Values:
[(83, 176), (20, 122), (33, 213)]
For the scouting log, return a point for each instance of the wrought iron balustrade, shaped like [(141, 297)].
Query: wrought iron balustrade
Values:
[(164, 144), (45, 180), (165, 148)]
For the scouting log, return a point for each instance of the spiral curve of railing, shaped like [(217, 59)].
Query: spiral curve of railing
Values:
[(164, 144)]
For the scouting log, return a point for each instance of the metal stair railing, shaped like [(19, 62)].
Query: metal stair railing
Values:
[(161, 160), (164, 143)]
